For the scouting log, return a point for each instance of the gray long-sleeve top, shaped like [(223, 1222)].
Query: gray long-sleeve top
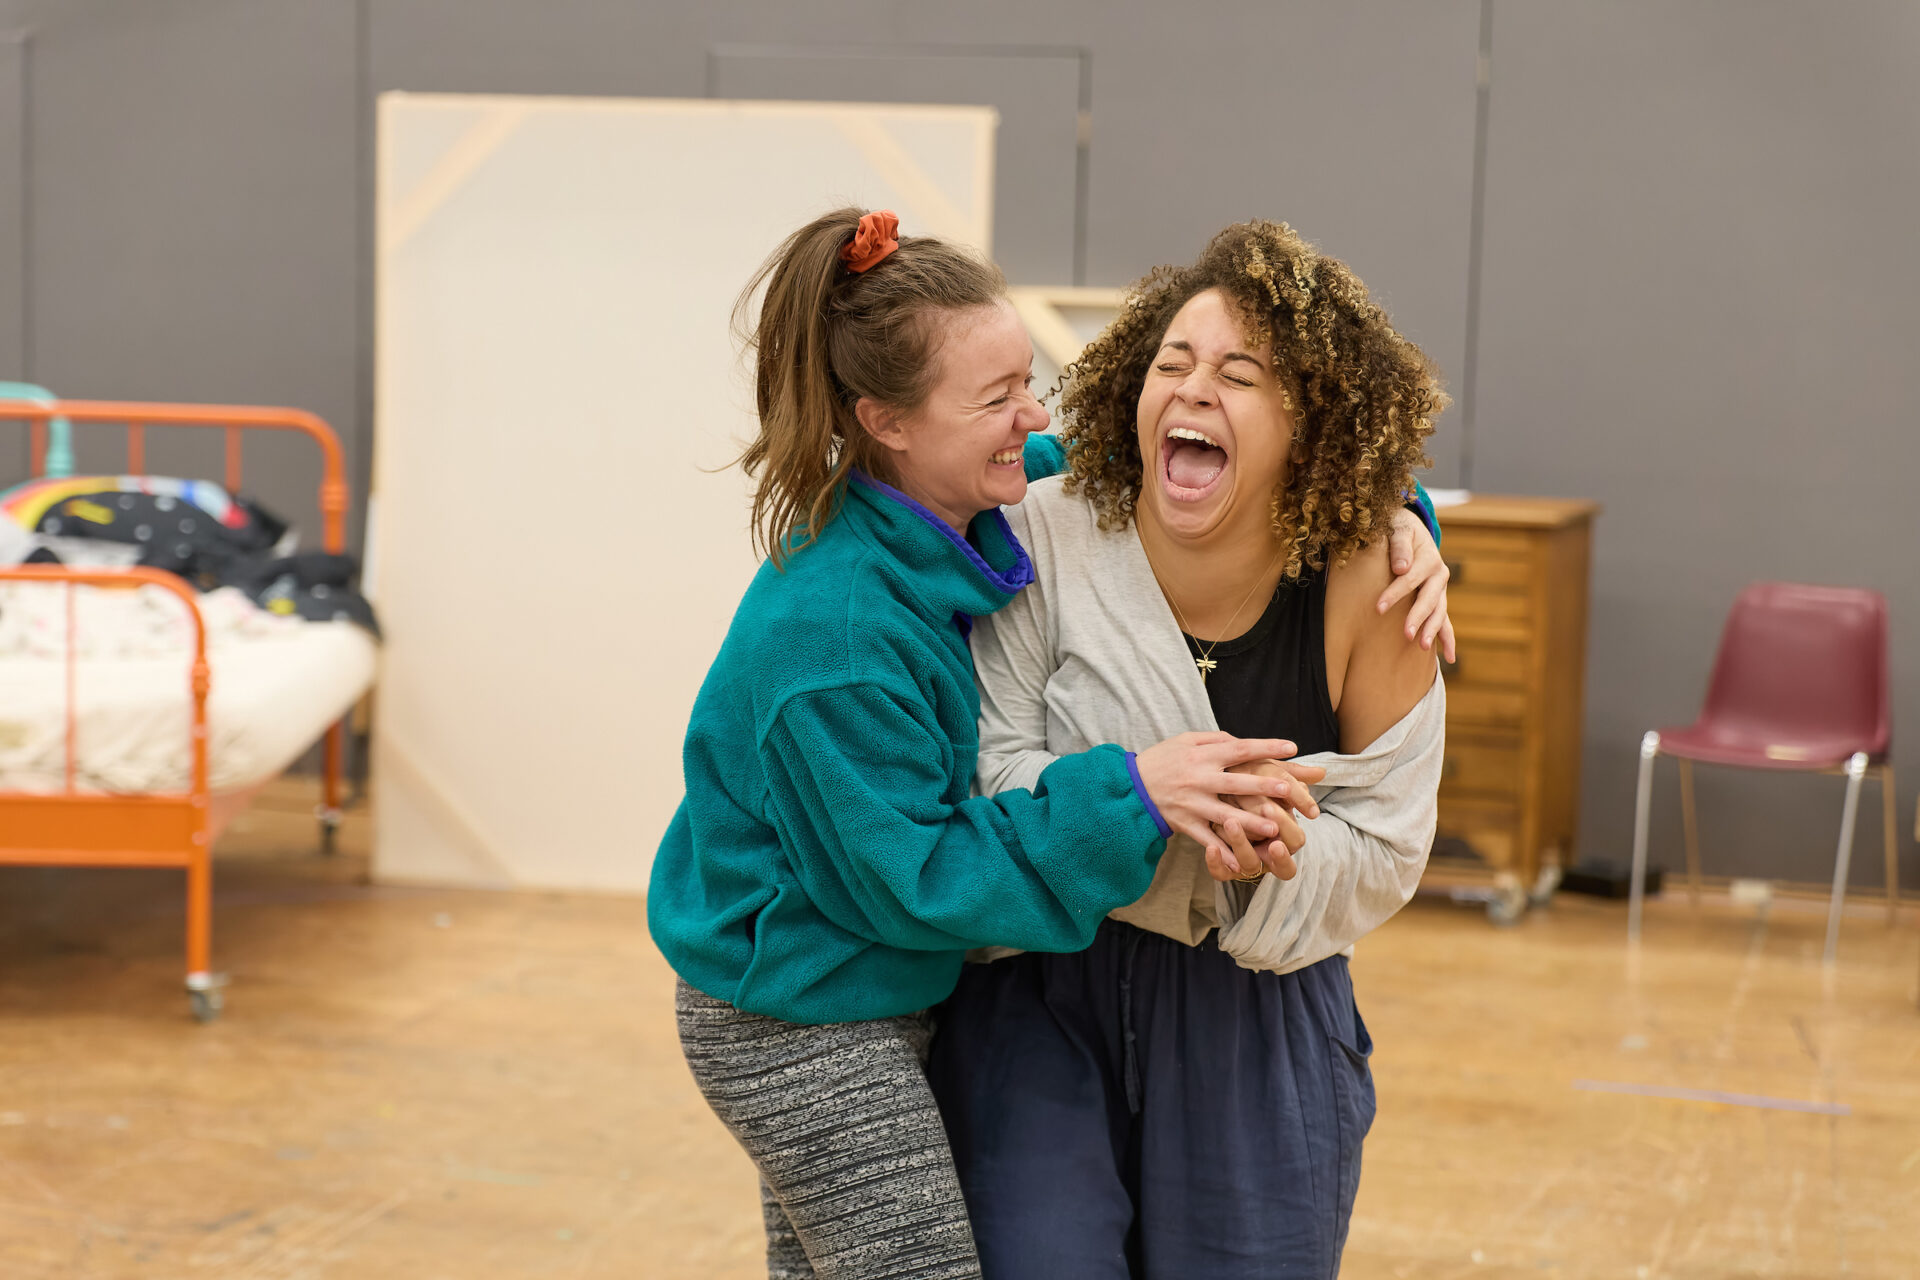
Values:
[(1091, 654)]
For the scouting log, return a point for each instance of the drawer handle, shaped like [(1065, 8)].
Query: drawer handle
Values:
[(1456, 572)]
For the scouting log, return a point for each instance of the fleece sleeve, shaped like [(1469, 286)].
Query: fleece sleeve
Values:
[(1420, 502), (859, 787), (1043, 457)]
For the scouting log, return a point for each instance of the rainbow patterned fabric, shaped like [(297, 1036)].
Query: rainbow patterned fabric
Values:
[(28, 504)]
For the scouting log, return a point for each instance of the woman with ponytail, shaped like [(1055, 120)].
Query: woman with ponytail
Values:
[(829, 869)]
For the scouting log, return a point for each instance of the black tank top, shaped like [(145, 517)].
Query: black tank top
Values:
[(1272, 681)]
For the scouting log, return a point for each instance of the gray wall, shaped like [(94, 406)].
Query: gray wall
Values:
[(200, 230), (13, 201), (191, 176), (1696, 243), (1699, 308)]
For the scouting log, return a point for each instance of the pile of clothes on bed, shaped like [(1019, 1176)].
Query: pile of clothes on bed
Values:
[(93, 692), (192, 528)]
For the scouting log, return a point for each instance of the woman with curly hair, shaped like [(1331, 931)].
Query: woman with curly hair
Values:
[(1187, 1098)]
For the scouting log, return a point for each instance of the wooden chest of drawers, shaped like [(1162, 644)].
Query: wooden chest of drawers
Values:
[(1510, 787)]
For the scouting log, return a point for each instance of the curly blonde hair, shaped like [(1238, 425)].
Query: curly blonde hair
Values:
[(1363, 398)]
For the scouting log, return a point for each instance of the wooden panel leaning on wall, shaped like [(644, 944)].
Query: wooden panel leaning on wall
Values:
[(1510, 787)]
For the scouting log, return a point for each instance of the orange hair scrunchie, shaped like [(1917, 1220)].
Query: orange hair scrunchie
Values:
[(878, 236)]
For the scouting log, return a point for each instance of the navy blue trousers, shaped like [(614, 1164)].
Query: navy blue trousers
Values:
[(1146, 1110)]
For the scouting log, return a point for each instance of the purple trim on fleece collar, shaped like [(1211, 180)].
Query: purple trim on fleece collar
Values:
[(1020, 575)]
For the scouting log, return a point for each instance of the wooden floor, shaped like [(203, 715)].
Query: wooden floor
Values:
[(422, 1083)]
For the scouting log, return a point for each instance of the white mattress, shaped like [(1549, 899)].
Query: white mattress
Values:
[(277, 683)]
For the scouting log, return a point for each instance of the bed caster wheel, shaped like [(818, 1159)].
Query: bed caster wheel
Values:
[(329, 830), (206, 996), (1544, 886), (1507, 903)]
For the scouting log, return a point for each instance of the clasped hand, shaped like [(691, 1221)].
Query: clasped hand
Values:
[(1250, 859)]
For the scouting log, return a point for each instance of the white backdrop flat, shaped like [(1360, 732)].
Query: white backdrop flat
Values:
[(558, 550)]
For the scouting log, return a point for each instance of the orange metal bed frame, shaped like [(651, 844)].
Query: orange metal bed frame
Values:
[(73, 828)]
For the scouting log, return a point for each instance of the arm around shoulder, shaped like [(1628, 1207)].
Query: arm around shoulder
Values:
[(1381, 674)]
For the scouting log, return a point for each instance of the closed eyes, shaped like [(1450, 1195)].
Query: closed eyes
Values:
[(997, 402), (1183, 369)]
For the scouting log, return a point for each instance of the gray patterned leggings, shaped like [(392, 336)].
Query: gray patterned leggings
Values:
[(856, 1180)]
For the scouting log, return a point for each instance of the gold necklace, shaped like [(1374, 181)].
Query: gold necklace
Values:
[(1205, 663)]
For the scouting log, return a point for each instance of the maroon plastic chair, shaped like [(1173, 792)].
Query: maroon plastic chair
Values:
[(1800, 683)]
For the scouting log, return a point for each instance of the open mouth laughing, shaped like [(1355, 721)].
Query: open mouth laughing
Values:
[(1191, 463)]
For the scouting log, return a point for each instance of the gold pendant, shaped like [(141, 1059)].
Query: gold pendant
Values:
[(1205, 665)]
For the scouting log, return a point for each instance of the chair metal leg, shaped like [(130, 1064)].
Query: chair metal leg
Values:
[(1643, 801), (1693, 833), (1856, 770), (1888, 794)]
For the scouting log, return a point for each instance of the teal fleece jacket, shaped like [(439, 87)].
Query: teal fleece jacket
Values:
[(828, 863)]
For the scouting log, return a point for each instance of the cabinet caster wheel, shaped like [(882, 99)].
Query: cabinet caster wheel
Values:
[(1507, 905)]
